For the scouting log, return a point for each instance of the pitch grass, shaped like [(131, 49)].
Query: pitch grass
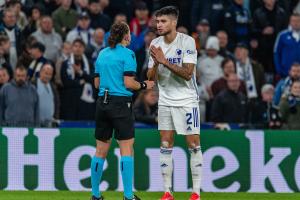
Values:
[(64, 195)]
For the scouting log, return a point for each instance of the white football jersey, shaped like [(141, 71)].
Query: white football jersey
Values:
[(174, 90)]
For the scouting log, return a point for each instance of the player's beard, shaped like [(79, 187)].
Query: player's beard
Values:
[(165, 33)]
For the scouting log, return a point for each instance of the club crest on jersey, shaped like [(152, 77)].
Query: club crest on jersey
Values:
[(178, 51), (190, 52)]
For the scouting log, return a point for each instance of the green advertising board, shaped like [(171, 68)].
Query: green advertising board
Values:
[(59, 159)]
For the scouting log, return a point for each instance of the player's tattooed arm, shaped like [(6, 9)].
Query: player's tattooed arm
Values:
[(185, 72)]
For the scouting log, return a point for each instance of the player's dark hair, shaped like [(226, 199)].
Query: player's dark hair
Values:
[(117, 33), (168, 10)]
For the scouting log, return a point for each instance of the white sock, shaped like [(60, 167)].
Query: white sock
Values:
[(196, 161), (166, 166)]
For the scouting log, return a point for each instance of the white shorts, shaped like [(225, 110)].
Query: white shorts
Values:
[(184, 120)]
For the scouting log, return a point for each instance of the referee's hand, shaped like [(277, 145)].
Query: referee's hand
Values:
[(150, 84)]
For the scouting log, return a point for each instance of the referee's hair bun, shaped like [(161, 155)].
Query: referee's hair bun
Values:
[(117, 33)]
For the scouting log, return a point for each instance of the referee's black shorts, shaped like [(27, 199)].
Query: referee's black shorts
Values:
[(115, 117)]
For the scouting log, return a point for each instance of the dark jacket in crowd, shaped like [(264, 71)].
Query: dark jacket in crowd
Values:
[(237, 25), (221, 84), (72, 107), (262, 18), (145, 114), (100, 20), (18, 35), (264, 115), (212, 10), (290, 111), (19, 105), (229, 107)]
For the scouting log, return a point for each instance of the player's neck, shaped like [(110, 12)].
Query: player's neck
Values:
[(169, 38)]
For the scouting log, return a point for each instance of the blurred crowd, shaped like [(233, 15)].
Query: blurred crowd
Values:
[(248, 69)]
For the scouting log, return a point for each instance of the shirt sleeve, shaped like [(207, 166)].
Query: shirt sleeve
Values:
[(97, 65), (190, 52), (130, 64)]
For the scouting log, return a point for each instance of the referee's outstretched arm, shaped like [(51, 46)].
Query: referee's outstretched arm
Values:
[(131, 83)]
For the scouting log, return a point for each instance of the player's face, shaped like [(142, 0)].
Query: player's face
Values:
[(165, 24)]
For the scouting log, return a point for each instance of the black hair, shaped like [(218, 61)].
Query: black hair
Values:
[(168, 10), (227, 60), (117, 33), (39, 46), (80, 41)]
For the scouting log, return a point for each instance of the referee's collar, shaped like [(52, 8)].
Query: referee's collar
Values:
[(120, 45)]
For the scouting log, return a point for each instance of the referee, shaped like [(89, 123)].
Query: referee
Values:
[(115, 77)]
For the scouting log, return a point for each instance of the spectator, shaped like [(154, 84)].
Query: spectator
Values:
[(4, 76), (223, 42), (142, 56), (15, 6), (219, 85), (249, 71), (25, 59), (49, 38), (10, 29), (209, 69), (64, 18), (76, 75), (237, 23), (4, 54), (201, 35), (48, 96), (81, 5), (34, 21), (230, 105), (65, 55), (141, 20), (182, 29), (290, 108), (98, 18), (37, 51), (268, 21), (287, 47), (82, 30), (212, 10), (19, 105), (136, 42), (97, 44), (264, 114), (283, 87), (146, 107)]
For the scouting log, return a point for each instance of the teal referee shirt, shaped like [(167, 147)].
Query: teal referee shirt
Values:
[(111, 65)]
